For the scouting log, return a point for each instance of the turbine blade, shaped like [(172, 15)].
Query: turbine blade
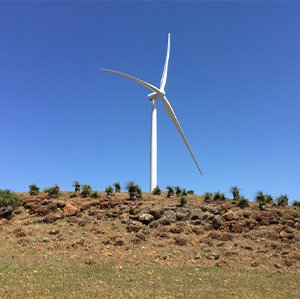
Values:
[(145, 84), (163, 80), (177, 125)]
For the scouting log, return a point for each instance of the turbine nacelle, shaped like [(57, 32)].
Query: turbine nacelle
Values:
[(155, 95)]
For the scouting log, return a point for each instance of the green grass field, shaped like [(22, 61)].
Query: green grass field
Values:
[(63, 276)]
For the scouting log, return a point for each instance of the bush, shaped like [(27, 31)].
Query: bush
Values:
[(242, 202), (86, 191), (282, 200), (235, 193), (184, 192), (170, 191), (208, 196), (33, 189), (268, 198), (76, 185), (191, 192), (156, 191), (178, 190), (296, 203), (53, 192), (8, 198), (134, 190), (117, 187), (218, 196), (260, 198), (109, 190), (182, 200), (95, 194), (73, 195)]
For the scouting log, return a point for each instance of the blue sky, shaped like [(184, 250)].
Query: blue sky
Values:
[(233, 82)]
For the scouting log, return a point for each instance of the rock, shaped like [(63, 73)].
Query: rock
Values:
[(146, 218), (212, 209), (154, 224), (54, 232), (183, 214), (235, 227), (6, 212), (294, 256), (213, 256), (60, 204), (170, 215), (197, 214), (51, 218), (230, 215), (119, 242), (216, 222), (164, 221), (156, 213), (180, 241), (70, 210), (133, 227), (221, 264), (286, 234), (3, 221), (198, 256), (221, 236), (255, 264), (176, 229)]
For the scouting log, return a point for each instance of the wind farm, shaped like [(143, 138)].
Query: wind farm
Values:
[(158, 93)]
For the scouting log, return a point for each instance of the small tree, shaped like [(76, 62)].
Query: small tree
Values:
[(282, 200), (33, 189), (242, 202), (178, 190), (8, 198), (208, 196), (296, 203), (94, 194), (182, 200), (191, 192), (170, 191), (235, 193), (109, 190), (268, 198), (117, 187), (131, 187), (218, 196), (156, 191), (86, 191), (76, 185), (53, 192)]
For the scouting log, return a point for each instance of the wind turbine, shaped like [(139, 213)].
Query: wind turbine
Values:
[(156, 94)]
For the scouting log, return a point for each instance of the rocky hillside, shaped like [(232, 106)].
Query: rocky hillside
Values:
[(156, 229)]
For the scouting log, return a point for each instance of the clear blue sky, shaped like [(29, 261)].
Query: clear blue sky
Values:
[(234, 83)]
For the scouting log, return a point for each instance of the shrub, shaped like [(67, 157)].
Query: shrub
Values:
[(178, 190), (117, 187), (268, 198), (282, 200), (182, 200), (207, 196), (235, 193), (53, 192), (95, 194), (72, 195), (218, 196), (170, 191), (191, 192), (33, 189), (134, 190), (156, 191), (184, 192), (8, 198), (109, 190), (296, 203), (86, 191), (76, 185), (260, 198), (242, 202)]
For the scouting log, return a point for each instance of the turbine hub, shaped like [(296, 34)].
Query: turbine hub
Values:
[(155, 95)]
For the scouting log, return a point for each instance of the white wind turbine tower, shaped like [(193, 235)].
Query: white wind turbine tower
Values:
[(158, 93)]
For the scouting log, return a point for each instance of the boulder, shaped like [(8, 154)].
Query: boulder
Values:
[(146, 218), (51, 218), (6, 212), (183, 214), (70, 210)]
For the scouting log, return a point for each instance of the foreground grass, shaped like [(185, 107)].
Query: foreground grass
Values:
[(60, 276)]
